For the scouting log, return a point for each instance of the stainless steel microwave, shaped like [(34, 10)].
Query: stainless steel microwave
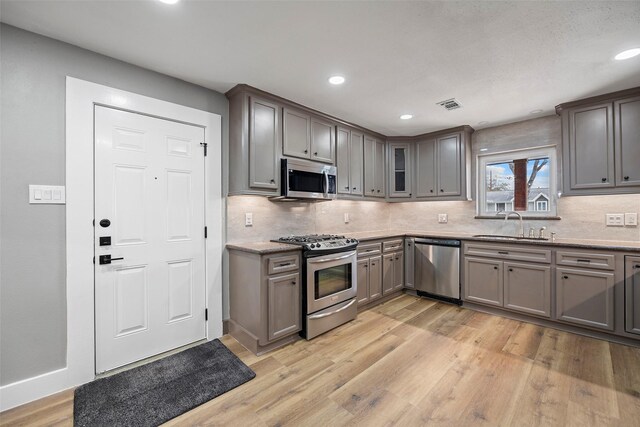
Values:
[(300, 179)]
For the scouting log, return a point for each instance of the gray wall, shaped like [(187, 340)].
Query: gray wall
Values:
[(32, 151)]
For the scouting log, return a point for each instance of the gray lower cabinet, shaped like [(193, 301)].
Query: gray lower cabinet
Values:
[(369, 273), (585, 297), (527, 288), (483, 281), (284, 305), (369, 279), (632, 294), (349, 158), (409, 264), (388, 274), (265, 305), (398, 271)]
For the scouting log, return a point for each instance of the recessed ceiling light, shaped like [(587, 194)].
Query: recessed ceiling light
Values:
[(406, 116), (336, 80), (628, 54), (535, 111), (484, 149), (169, 1)]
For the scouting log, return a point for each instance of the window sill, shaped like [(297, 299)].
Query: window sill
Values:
[(528, 218)]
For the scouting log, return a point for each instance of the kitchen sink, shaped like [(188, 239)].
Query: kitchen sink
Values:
[(504, 237)]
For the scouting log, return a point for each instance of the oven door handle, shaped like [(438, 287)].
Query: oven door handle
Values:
[(317, 261), (320, 316)]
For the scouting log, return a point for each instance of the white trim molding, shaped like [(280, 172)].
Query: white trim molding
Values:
[(81, 97)]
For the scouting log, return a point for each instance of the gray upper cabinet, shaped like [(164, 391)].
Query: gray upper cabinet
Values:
[(632, 294), (322, 141), (307, 137), (448, 165), (296, 136), (585, 297), (627, 138), (426, 181), (600, 144), (349, 158), (374, 167), (591, 147), (264, 138), (400, 169)]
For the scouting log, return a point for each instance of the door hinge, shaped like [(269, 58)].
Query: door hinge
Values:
[(94, 260), (204, 144), (205, 232), (206, 314)]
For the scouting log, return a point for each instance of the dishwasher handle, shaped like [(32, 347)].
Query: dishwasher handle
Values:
[(438, 242)]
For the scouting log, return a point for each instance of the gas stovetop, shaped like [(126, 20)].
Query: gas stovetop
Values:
[(320, 242)]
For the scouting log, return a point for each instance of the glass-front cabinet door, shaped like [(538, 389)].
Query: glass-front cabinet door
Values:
[(400, 169)]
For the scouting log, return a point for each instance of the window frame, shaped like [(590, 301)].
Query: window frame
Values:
[(483, 159)]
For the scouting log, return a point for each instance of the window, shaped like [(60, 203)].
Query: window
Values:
[(522, 181)]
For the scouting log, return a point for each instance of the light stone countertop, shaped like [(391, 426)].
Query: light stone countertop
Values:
[(616, 245), (263, 247)]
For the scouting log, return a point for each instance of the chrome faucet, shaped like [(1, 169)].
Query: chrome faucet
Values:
[(506, 217)]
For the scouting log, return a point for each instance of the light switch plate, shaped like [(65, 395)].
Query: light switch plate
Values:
[(248, 219), (615, 220), (443, 218), (47, 194), (631, 219)]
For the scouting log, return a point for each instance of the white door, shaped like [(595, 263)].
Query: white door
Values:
[(149, 185)]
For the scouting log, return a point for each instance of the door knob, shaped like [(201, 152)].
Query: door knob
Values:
[(106, 259)]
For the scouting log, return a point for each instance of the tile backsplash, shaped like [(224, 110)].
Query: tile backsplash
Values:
[(582, 218)]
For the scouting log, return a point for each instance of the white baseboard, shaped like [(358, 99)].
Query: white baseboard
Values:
[(30, 389)]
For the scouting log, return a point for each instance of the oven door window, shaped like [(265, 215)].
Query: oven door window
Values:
[(332, 280), (308, 182)]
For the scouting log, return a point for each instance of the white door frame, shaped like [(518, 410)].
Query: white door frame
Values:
[(81, 96)]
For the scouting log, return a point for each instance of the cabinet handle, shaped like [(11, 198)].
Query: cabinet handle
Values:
[(397, 258), (365, 266), (511, 269), (565, 277), (273, 181), (373, 263), (495, 267), (626, 178), (636, 266), (354, 188), (431, 191), (441, 190), (503, 252), (583, 260), (293, 282), (409, 194), (306, 151), (315, 154), (284, 265), (347, 187), (378, 191), (604, 179), (372, 190)]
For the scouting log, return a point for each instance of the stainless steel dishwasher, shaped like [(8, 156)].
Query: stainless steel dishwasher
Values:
[(437, 269)]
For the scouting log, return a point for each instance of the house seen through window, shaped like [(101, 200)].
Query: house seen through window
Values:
[(517, 181)]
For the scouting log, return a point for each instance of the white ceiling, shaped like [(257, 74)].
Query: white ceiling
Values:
[(501, 60)]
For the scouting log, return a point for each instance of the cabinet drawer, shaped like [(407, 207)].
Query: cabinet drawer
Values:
[(392, 245), (282, 263), (509, 252), (369, 249), (586, 259)]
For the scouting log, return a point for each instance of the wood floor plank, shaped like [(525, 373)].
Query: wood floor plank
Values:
[(412, 361)]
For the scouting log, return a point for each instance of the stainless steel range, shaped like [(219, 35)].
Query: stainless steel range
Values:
[(329, 281)]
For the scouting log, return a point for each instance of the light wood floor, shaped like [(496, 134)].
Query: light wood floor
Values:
[(415, 362)]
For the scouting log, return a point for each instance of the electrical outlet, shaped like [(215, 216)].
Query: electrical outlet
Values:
[(346, 217), (248, 219), (631, 219), (615, 220), (443, 218)]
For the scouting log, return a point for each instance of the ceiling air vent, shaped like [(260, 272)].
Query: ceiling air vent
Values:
[(450, 104)]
